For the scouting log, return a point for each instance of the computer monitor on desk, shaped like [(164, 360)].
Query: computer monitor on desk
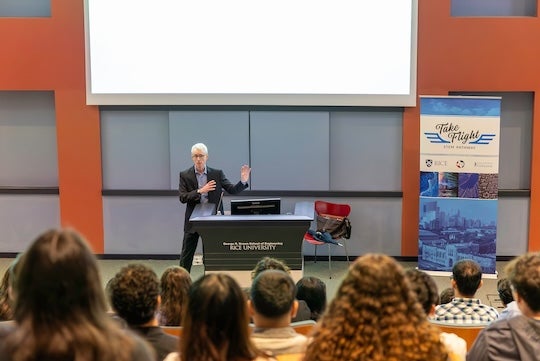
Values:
[(256, 206)]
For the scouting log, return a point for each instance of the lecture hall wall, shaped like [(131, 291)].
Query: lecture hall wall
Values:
[(46, 54)]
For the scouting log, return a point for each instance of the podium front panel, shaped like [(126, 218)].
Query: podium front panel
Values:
[(239, 242)]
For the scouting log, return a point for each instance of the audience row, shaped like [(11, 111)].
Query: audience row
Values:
[(53, 294)]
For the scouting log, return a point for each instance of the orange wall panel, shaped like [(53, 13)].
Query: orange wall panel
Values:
[(48, 54), (469, 54)]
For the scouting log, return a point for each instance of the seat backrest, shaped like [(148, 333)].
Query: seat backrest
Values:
[(334, 209), (290, 357), (303, 327), (172, 330), (466, 332)]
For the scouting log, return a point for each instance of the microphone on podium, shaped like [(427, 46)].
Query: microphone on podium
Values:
[(218, 208)]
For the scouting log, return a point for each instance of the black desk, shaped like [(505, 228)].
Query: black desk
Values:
[(234, 244)]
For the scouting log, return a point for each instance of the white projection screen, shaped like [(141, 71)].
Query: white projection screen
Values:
[(251, 52)]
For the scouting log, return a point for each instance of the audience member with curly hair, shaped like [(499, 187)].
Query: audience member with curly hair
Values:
[(60, 310), (175, 283), (6, 293), (216, 324), (134, 293), (375, 316)]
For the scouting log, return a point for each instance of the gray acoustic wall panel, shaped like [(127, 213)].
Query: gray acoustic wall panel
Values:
[(143, 225), (135, 149), (516, 141), (25, 8), (365, 150), (24, 217), (290, 150), (512, 226), (483, 8), (225, 133), (28, 151), (376, 227)]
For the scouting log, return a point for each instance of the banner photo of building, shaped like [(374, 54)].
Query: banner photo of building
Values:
[(459, 169)]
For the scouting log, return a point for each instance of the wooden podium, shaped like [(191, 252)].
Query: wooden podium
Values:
[(234, 244)]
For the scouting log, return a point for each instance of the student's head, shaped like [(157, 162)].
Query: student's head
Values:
[(375, 316), (524, 275), (58, 280), (267, 263), (273, 294), (175, 283), (505, 291), (467, 277), (425, 288), (199, 155), (60, 306), (313, 291), (134, 293), (447, 295), (216, 321)]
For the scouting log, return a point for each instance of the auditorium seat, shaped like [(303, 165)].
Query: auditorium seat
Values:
[(290, 357), (466, 332), (172, 330), (303, 327)]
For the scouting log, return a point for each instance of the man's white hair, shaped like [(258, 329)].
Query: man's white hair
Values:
[(199, 146)]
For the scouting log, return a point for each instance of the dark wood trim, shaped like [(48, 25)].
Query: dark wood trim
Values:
[(29, 190)]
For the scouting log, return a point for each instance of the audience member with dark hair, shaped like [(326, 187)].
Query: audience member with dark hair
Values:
[(60, 310), (427, 293), (446, 296), (515, 338), (175, 283), (216, 323), (375, 316), (464, 308), (505, 294), (312, 290), (269, 263), (272, 306), (134, 293)]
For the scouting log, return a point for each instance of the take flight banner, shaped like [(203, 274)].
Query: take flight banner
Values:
[(459, 173)]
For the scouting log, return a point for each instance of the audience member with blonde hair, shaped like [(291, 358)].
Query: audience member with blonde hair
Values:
[(216, 324), (375, 316), (175, 282), (60, 310)]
